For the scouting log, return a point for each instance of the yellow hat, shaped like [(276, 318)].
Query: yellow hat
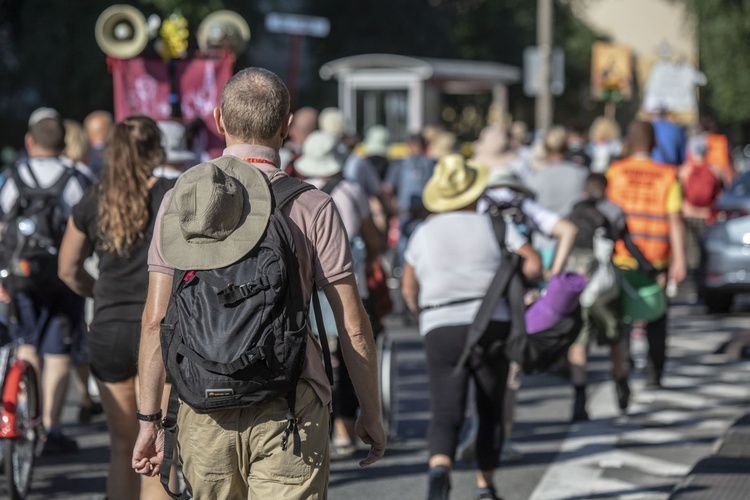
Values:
[(455, 184)]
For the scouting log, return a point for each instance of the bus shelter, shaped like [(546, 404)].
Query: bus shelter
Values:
[(405, 93)]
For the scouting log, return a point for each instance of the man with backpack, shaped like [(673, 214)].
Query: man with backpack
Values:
[(701, 186), (232, 266), (35, 201)]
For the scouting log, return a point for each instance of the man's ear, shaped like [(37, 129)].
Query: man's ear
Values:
[(28, 142), (285, 126), (219, 122)]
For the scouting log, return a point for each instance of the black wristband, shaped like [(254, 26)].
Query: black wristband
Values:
[(148, 418)]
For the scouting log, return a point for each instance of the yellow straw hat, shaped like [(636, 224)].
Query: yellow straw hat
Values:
[(455, 184)]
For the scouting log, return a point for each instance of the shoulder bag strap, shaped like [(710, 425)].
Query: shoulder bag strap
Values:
[(497, 289), (322, 335)]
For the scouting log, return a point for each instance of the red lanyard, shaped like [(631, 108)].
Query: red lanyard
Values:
[(259, 160)]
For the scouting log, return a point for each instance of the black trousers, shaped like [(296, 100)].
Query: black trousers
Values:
[(489, 372), (656, 357), (656, 334)]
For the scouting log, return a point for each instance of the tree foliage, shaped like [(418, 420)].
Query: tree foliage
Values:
[(724, 38)]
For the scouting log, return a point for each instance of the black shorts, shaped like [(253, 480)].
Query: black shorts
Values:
[(113, 350)]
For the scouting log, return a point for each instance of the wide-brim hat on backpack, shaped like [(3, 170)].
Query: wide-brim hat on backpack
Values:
[(319, 158), (456, 183), (217, 214), (560, 300), (504, 177)]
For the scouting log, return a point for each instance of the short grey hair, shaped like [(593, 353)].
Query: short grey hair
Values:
[(254, 104)]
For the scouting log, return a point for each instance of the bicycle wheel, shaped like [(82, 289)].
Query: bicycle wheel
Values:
[(19, 451), (388, 373)]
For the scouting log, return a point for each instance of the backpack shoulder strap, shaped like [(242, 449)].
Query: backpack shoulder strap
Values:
[(15, 174), (59, 186), (331, 184), (287, 188)]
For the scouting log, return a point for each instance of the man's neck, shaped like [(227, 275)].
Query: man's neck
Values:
[(231, 141), (43, 153)]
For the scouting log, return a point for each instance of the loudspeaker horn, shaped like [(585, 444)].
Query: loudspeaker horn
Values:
[(223, 29), (121, 31)]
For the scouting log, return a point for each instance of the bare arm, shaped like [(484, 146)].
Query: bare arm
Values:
[(410, 288), (358, 348), (75, 249), (678, 267), (532, 262), (372, 239), (565, 232), (149, 447)]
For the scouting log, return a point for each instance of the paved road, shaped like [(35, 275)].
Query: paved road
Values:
[(638, 458)]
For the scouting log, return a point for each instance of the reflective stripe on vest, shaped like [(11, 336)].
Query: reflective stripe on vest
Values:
[(640, 187)]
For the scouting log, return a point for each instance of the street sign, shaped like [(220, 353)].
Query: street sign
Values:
[(298, 25), (531, 71)]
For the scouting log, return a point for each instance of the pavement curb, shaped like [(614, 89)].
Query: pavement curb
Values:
[(724, 475)]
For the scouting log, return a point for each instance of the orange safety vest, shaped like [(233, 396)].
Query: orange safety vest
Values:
[(640, 186)]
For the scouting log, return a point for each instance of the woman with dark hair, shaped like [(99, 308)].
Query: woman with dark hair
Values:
[(115, 219)]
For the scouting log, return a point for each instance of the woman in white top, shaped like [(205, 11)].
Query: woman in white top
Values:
[(450, 261)]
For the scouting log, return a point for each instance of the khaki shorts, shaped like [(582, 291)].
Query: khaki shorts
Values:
[(236, 454), (604, 321)]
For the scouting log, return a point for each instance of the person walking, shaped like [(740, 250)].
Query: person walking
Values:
[(701, 184), (450, 261), (669, 143), (48, 315), (115, 220), (405, 184), (600, 224), (321, 165), (652, 211), (98, 125), (506, 191), (242, 452)]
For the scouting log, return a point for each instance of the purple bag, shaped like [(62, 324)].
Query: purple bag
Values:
[(560, 301)]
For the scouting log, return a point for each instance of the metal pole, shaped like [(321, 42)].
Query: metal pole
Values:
[(295, 46), (544, 45)]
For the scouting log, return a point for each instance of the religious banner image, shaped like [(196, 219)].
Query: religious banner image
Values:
[(611, 72)]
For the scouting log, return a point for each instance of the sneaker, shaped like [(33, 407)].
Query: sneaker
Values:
[(86, 412), (623, 394), (439, 483), (510, 453), (57, 443), (487, 493)]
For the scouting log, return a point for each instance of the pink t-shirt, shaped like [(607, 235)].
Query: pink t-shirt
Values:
[(320, 240)]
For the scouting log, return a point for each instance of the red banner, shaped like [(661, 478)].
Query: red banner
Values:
[(142, 86)]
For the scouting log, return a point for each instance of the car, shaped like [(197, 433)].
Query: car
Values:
[(725, 262)]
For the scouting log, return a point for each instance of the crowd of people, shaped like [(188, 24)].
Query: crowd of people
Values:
[(125, 215)]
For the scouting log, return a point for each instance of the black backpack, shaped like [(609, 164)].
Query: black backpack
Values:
[(236, 337), (32, 233)]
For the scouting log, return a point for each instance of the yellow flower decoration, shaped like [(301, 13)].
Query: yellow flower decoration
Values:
[(174, 35)]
